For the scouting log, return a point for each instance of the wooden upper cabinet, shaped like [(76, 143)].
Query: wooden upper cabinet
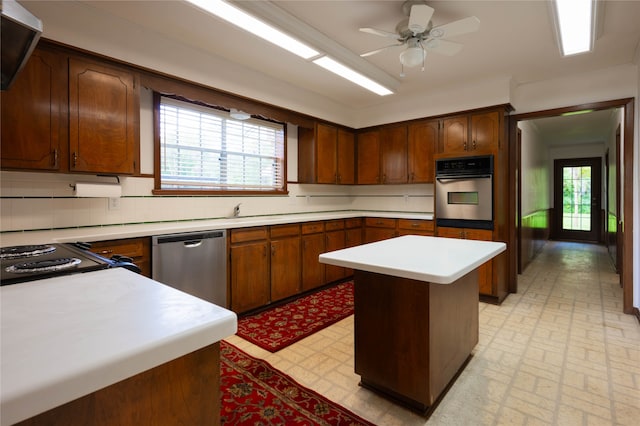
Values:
[(485, 131), (393, 154), (326, 154), (468, 133), (103, 118), (368, 149), (346, 153), (327, 165), (34, 114), (455, 133), (421, 142)]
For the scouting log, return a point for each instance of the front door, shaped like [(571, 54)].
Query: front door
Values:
[(577, 199)]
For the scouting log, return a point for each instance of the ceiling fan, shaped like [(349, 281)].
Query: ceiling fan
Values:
[(419, 35)]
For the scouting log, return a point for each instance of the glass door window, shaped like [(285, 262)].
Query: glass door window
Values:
[(576, 198)]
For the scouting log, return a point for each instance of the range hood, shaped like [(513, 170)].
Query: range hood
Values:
[(20, 33)]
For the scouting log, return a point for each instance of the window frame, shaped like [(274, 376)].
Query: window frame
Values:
[(158, 190)]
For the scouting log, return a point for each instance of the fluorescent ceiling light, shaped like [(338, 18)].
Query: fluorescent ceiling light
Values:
[(248, 23), (351, 75), (584, 111), (575, 20)]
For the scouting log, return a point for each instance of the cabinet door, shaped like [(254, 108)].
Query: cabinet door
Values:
[(346, 157), (103, 118), (249, 276), (34, 115), (393, 154), (353, 237), (335, 240), (312, 270), (285, 268), (326, 140), (377, 234), (454, 134), (485, 131), (421, 141), (369, 158), (485, 271)]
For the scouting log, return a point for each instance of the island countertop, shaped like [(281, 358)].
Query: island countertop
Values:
[(431, 259), (65, 337)]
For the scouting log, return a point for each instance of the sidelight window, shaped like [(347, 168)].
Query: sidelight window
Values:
[(204, 149)]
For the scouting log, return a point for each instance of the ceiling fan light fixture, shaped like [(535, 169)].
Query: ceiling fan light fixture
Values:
[(413, 56)]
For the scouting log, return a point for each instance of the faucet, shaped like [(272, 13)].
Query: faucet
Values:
[(236, 210)]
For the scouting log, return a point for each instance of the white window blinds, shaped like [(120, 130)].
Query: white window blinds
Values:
[(203, 148)]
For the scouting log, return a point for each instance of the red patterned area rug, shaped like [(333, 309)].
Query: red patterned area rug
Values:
[(283, 325), (255, 393)]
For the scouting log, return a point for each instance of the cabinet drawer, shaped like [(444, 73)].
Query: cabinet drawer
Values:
[(379, 222), (130, 248), (355, 222), (416, 224), (312, 227), (248, 234), (332, 225), (284, 230)]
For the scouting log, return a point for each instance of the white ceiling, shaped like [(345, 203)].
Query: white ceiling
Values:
[(516, 40)]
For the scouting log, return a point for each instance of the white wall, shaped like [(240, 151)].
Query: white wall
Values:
[(534, 170)]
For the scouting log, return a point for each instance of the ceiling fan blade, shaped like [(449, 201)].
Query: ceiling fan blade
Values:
[(419, 18), (442, 47), (380, 33), (373, 52), (456, 28)]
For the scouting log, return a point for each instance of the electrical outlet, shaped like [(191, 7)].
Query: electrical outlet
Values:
[(114, 203)]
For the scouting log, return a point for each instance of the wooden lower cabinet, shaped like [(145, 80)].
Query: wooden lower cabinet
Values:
[(485, 272), (335, 239), (249, 269), (313, 245), (416, 227), (183, 391), (138, 249), (377, 229), (285, 261)]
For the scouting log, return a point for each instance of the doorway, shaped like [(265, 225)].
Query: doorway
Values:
[(577, 199), (624, 228)]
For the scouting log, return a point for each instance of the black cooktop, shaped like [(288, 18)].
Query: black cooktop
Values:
[(34, 262)]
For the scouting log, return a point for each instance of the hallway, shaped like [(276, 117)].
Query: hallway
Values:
[(559, 352)]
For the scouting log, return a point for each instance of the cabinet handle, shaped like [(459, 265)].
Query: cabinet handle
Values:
[(474, 145), (464, 145), (415, 225), (384, 178), (55, 157), (105, 252), (75, 159), (338, 178), (273, 251)]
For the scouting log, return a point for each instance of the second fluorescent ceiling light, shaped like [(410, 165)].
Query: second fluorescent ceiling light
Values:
[(249, 23), (575, 21)]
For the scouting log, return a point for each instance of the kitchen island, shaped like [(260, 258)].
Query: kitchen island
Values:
[(109, 347), (416, 312)]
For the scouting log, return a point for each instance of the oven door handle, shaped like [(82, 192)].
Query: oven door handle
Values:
[(451, 178)]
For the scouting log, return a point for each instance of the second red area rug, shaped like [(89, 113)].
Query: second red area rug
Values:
[(283, 325)]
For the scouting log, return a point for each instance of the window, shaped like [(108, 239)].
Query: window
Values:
[(204, 149)]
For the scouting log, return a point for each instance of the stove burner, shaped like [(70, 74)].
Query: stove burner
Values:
[(17, 252), (44, 265)]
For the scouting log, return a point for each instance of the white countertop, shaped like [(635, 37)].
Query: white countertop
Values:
[(68, 336), (113, 232), (431, 259)]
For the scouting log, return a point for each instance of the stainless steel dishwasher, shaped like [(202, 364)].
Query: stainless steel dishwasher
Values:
[(195, 263)]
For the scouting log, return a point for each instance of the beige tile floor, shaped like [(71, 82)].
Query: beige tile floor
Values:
[(558, 352)]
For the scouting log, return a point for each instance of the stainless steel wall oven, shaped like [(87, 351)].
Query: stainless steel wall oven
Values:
[(464, 192)]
